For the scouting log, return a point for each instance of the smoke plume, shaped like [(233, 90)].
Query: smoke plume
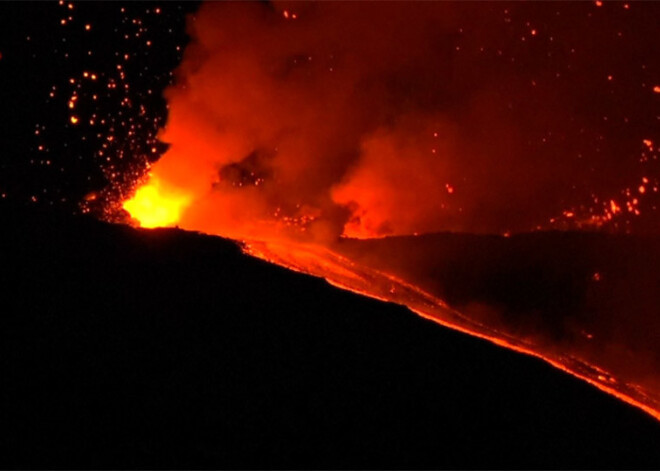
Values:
[(381, 118)]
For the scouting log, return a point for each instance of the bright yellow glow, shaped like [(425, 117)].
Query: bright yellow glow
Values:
[(152, 206)]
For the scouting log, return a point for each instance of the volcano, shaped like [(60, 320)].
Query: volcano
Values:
[(416, 172), (128, 347)]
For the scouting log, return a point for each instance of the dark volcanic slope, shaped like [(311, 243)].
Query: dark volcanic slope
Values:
[(590, 296), (125, 348)]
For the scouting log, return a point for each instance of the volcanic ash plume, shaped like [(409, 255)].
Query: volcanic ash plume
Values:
[(366, 119)]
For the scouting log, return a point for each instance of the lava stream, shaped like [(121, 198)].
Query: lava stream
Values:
[(346, 274)]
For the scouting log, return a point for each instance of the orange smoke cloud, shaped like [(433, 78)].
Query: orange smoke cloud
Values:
[(366, 119)]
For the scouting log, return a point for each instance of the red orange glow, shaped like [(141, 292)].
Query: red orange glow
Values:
[(155, 206)]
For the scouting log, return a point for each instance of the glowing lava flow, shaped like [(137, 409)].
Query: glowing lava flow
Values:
[(343, 273)]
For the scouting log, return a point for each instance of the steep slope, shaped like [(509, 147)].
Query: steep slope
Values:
[(137, 348)]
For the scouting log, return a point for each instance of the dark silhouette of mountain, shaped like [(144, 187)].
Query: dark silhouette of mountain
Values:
[(125, 348)]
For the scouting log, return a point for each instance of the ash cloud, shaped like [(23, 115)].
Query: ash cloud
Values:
[(378, 118)]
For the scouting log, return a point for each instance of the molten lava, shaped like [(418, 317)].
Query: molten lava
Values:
[(155, 206)]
